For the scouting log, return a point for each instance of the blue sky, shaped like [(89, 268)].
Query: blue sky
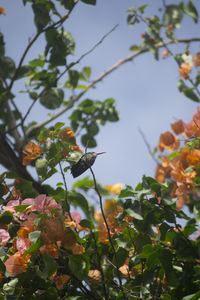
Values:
[(145, 90)]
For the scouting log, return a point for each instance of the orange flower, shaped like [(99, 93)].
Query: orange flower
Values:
[(94, 276), (184, 70), (49, 249), (61, 280), (114, 188), (16, 263), (32, 151), (2, 11), (160, 174), (168, 141), (76, 148), (23, 232), (125, 268), (66, 134), (165, 53), (78, 249), (178, 127), (196, 59), (170, 27)]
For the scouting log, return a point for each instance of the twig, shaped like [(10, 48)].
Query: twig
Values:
[(102, 76), (100, 267), (108, 230), (65, 184), (147, 145)]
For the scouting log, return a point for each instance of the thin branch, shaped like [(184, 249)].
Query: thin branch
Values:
[(74, 99), (97, 44), (65, 185), (71, 65), (100, 267), (108, 230), (147, 145)]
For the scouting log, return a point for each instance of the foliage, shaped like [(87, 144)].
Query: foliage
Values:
[(55, 244)]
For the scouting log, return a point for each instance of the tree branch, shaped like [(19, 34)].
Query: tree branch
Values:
[(129, 58)]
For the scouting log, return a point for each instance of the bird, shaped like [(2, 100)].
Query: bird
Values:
[(84, 163)]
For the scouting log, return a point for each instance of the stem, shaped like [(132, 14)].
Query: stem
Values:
[(108, 230), (66, 191)]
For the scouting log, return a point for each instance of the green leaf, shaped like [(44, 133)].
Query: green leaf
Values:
[(85, 184), (127, 192), (6, 217), (38, 62), (173, 15), (191, 11), (168, 200), (41, 15), (34, 236), (92, 2), (79, 266), (52, 98), (73, 79), (196, 211), (133, 209), (92, 128), (58, 125), (86, 224), (134, 48), (78, 200), (41, 167), (122, 255), (50, 264), (7, 67), (88, 141), (188, 92), (195, 296), (142, 8), (9, 288), (21, 208), (2, 45)]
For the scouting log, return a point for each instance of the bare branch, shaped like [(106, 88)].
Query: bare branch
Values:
[(129, 58), (147, 145)]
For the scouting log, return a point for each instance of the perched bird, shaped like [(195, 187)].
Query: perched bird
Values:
[(84, 163)]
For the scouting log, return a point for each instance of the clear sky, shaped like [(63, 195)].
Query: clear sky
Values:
[(145, 90)]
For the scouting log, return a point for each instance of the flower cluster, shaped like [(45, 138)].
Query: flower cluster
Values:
[(181, 166), (43, 229)]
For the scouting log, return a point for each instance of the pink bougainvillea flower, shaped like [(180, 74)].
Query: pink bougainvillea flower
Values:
[(4, 237), (23, 244), (44, 203)]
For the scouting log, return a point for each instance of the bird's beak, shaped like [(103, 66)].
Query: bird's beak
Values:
[(100, 153)]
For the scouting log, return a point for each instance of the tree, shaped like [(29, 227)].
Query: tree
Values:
[(134, 247)]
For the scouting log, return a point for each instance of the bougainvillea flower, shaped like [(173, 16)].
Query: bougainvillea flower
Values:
[(66, 134), (2, 11), (168, 141), (94, 276), (32, 151), (44, 203), (178, 127), (114, 188), (23, 244), (50, 249), (184, 70), (165, 53), (16, 264), (4, 237), (196, 59)]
